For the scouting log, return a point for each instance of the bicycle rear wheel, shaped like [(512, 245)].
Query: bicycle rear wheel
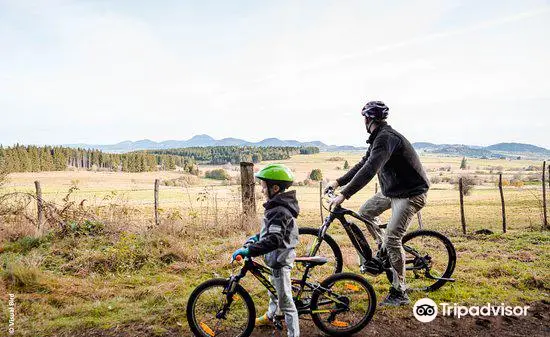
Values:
[(209, 315), (344, 305), (328, 248), (430, 260)]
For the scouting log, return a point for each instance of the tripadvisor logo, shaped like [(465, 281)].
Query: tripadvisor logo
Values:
[(425, 310)]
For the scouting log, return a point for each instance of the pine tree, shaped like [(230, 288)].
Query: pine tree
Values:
[(463, 164)]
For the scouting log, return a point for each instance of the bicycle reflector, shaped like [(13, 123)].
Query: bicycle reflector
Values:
[(207, 329), (352, 287), (339, 324)]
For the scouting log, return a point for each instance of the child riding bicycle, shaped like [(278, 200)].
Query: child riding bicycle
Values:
[(276, 242)]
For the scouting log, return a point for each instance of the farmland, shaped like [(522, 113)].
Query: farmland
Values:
[(120, 271)]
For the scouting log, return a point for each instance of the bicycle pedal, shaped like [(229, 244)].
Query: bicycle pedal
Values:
[(278, 322), (372, 267)]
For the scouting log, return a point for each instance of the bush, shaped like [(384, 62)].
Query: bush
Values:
[(517, 183), (87, 227), (346, 165), (436, 179), (23, 245), (463, 163), (468, 183), (316, 175), (335, 159), (218, 174), (183, 181), (307, 182)]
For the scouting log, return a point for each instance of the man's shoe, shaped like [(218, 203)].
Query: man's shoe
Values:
[(396, 298), (262, 320)]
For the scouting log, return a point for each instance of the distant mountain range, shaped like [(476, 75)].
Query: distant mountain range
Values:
[(206, 140), (494, 151), (500, 150)]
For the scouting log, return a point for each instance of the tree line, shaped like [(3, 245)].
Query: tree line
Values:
[(20, 158), (217, 155)]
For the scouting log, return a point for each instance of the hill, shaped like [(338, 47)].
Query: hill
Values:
[(207, 141), (500, 150)]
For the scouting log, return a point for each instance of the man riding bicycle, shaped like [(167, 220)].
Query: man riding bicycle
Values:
[(404, 185)]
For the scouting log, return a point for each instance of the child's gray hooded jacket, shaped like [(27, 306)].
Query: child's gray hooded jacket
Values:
[(279, 232)]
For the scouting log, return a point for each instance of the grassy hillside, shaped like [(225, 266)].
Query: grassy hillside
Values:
[(102, 268)]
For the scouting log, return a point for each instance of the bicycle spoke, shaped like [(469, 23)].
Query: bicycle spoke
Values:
[(426, 261), (211, 302), (345, 305)]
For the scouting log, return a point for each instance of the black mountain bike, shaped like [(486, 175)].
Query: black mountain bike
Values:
[(341, 305), (430, 255)]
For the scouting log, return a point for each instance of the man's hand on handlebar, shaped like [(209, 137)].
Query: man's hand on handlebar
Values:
[(335, 202)]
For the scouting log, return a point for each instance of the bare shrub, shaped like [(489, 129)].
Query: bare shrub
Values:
[(533, 178), (468, 183)]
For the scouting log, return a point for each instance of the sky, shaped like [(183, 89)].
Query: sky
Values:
[(101, 72)]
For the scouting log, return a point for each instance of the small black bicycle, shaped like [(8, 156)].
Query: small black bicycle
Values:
[(430, 255), (342, 304)]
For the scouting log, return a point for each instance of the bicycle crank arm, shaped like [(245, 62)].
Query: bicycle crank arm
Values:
[(440, 278)]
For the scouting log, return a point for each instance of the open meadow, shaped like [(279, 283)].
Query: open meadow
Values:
[(103, 268)]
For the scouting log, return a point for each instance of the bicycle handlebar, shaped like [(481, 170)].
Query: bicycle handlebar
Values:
[(330, 193)]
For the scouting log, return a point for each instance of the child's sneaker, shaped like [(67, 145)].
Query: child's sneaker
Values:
[(262, 320)]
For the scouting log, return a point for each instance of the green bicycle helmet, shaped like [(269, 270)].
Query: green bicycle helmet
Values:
[(276, 174)]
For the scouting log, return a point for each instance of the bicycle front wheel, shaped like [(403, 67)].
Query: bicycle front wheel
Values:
[(343, 305), (209, 314)]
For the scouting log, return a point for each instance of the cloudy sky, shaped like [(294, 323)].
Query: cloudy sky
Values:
[(471, 72)]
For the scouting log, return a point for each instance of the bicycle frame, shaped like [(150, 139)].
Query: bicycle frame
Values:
[(357, 237), (358, 240), (260, 271)]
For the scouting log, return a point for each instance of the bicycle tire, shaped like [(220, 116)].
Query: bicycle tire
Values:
[(219, 282), (451, 252), (327, 284)]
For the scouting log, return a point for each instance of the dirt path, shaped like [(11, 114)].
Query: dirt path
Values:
[(536, 324)]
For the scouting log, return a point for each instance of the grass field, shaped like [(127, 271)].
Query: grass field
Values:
[(118, 272)]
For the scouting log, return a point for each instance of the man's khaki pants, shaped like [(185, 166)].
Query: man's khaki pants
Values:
[(403, 209)]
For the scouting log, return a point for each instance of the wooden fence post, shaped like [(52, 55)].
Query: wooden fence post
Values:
[(545, 223), (157, 182), (462, 217), (420, 223), (247, 189), (502, 202), (39, 206), (321, 200), (375, 188)]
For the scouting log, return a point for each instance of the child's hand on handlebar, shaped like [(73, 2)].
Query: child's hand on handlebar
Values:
[(243, 252)]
